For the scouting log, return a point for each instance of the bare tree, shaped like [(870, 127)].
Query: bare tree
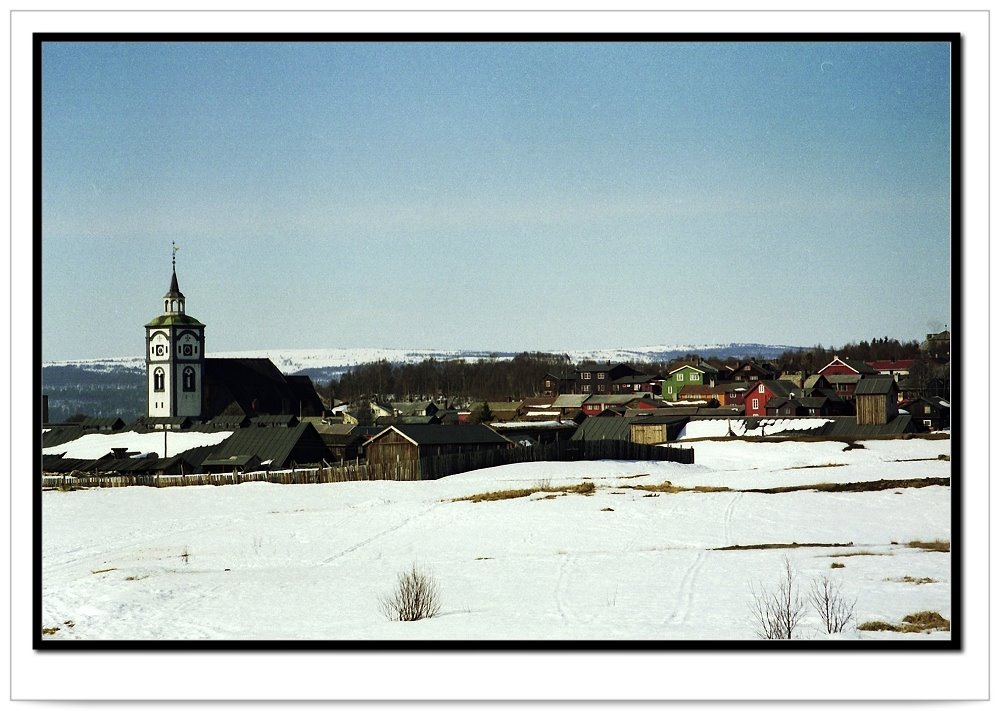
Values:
[(836, 611), (777, 612), (416, 597)]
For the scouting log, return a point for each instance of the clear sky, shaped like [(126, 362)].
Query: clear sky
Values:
[(548, 196)]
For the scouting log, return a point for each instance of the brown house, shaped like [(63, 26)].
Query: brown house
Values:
[(406, 444), (876, 400)]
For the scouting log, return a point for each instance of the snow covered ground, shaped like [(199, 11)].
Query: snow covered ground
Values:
[(310, 562)]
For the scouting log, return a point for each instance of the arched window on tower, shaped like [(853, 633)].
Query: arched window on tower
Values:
[(188, 380), (158, 380)]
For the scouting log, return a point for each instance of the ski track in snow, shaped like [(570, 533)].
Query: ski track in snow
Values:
[(727, 521), (685, 594), (381, 534)]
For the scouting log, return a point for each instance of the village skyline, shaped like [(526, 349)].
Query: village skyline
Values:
[(497, 196)]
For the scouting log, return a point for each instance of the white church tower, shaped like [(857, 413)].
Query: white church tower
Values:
[(175, 357)]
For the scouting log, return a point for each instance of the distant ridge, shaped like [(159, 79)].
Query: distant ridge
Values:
[(337, 360), (116, 387)]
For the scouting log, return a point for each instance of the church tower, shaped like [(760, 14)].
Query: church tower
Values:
[(175, 357)]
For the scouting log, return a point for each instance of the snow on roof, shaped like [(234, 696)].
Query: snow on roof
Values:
[(738, 427), (96, 445)]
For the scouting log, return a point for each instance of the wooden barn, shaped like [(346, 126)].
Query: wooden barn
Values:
[(412, 443), (657, 429), (876, 400)]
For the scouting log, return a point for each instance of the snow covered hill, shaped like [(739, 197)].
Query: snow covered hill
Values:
[(295, 360)]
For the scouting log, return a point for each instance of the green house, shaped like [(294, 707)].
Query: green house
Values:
[(699, 374)]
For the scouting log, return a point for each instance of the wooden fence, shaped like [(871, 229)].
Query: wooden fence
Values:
[(404, 470)]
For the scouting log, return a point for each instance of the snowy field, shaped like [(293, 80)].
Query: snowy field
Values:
[(310, 562)]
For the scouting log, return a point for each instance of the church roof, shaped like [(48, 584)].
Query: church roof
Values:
[(174, 320)]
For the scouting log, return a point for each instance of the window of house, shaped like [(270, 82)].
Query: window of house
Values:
[(586, 376), (928, 423), (670, 390), (680, 377), (927, 409), (600, 376), (755, 403), (760, 388), (158, 380), (188, 380), (586, 388), (694, 376)]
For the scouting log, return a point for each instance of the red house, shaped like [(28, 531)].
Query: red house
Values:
[(756, 399), (845, 374)]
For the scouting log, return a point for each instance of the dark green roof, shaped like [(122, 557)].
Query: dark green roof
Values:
[(277, 444), (595, 428), (879, 385), (173, 320)]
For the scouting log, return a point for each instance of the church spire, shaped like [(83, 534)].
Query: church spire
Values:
[(173, 300)]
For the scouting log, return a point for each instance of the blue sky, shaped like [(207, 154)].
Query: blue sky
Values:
[(546, 196)]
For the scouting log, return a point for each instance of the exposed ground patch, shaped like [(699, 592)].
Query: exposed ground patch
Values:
[(770, 546), (857, 486), (586, 489), (925, 621)]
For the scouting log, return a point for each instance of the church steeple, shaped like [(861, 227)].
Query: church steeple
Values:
[(175, 357), (173, 300)]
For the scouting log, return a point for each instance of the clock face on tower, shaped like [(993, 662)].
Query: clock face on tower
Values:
[(187, 349), (159, 350)]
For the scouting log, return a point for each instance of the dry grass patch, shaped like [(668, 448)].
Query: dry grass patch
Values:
[(857, 486), (836, 565), (770, 546), (939, 546), (668, 488), (926, 621), (913, 581), (855, 553), (102, 570), (586, 488)]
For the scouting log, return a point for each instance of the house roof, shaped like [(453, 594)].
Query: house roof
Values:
[(596, 428), (569, 401), (778, 388), (504, 406), (614, 399), (700, 367), (877, 385), (891, 364), (835, 379), (276, 444), (849, 427), (444, 434), (858, 366)]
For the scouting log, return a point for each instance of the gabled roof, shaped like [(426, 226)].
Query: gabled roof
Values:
[(445, 434), (876, 385), (858, 366), (569, 401), (779, 388), (700, 367), (270, 443), (595, 428)]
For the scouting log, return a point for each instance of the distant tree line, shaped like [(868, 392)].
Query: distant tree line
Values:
[(498, 379)]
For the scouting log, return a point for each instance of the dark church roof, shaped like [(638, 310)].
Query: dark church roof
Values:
[(255, 386)]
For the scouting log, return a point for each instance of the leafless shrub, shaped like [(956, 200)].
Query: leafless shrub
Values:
[(417, 596), (777, 612), (836, 611)]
